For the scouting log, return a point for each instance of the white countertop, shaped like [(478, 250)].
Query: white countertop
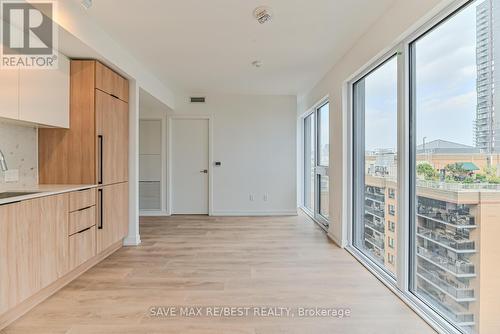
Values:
[(40, 190)]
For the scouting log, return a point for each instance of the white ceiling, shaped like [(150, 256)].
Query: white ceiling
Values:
[(207, 46)]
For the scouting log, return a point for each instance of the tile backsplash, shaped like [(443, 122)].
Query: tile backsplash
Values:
[(19, 146)]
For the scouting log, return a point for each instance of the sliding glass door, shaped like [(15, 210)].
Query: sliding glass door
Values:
[(309, 162), (316, 163)]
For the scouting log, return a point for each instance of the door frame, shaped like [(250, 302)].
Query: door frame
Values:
[(169, 183)]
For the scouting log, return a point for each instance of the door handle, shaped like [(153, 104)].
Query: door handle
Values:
[(100, 138), (100, 223), (204, 171)]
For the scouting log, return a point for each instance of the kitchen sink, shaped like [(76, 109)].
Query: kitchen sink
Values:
[(9, 194)]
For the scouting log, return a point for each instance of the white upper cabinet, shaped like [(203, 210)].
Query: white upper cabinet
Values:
[(38, 96), (9, 93), (44, 95)]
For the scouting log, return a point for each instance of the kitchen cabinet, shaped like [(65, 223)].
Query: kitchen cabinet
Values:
[(112, 221), (38, 96), (33, 247), (82, 247), (95, 148), (44, 95), (112, 138), (9, 93), (110, 82)]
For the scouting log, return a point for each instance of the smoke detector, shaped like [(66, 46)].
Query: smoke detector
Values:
[(86, 3), (263, 14), (257, 63)]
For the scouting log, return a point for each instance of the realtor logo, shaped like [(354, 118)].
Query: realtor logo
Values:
[(29, 34)]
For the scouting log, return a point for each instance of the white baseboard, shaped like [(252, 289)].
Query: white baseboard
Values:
[(254, 213), (134, 240), (145, 213)]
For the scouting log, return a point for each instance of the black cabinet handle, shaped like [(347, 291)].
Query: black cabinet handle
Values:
[(101, 140), (113, 95), (99, 226), (85, 230)]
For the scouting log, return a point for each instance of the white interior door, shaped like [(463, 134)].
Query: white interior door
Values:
[(190, 156)]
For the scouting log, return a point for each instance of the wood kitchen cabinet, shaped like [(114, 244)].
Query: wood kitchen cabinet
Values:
[(112, 221), (112, 138), (95, 148), (33, 247)]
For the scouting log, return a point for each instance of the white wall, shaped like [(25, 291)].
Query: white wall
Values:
[(255, 139), (403, 18)]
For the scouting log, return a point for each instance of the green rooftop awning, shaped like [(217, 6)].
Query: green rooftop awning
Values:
[(468, 166)]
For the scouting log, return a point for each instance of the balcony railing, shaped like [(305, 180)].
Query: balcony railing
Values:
[(459, 268), (375, 197), (449, 217), (459, 317), (446, 285), (376, 212), (377, 242), (449, 241), (379, 227), (457, 186)]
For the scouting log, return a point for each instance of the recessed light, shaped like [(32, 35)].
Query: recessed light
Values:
[(263, 14), (257, 63), (86, 3)]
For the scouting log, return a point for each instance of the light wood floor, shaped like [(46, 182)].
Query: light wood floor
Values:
[(189, 260)]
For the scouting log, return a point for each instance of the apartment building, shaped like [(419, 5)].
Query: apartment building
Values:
[(487, 126), (452, 230)]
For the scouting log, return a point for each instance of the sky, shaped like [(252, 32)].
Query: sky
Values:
[(445, 85)]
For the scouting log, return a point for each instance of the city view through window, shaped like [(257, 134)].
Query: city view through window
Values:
[(457, 163)]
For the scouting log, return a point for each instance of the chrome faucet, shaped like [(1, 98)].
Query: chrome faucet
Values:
[(3, 163)]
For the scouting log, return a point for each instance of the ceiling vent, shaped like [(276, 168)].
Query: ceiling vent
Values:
[(197, 99), (263, 14)]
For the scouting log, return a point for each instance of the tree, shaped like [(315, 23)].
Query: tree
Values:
[(456, 171), (425, 170)]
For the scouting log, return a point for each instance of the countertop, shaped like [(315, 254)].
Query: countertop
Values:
[(41, 190)]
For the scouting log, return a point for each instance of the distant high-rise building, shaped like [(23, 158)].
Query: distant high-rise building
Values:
[(487, 126)]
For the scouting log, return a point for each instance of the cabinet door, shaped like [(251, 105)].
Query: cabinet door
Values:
[(33, 247), (111, 82), (121, 169), (8, 254), (112, 221), (9, 93), (53, 219), (112, 139), (44, 95)]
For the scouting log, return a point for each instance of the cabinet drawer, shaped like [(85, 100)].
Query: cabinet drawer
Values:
[(110, 82), (81, 219), (81, 199), (82, 247)]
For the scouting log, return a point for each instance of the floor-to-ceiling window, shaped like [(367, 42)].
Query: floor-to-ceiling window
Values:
[(426, 168), (375, 182), (454, 131), (316, 180)]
